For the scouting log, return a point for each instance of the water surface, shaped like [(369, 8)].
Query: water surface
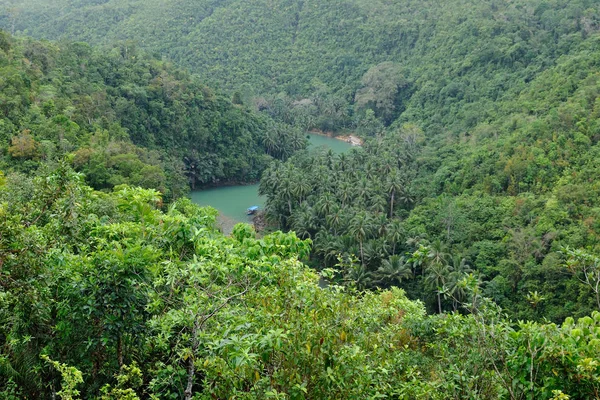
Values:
[(233, 201), (338, 146)]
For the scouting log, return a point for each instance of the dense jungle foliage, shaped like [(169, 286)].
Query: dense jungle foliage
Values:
[(501, 200), (429, 201), (475, 198), (125, 117), (443, 64), (108, 296)]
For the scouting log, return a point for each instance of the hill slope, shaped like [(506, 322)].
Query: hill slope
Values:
[(500, 98), (459, 56), (102, 295), (123, 117)]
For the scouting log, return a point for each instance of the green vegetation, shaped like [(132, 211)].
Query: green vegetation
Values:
[(444, 64), (103, 295), (475, 198), (500, 200), (126, 118)]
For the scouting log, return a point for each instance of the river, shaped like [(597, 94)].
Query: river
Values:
[(232, 201)]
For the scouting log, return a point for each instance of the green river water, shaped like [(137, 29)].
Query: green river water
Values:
[(232, 201)]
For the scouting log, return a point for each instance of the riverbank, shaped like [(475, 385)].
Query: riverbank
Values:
[(226, 224), (233, 200), (224, 184), (353, 140), (349, 138)]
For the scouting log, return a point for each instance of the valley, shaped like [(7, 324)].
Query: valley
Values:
[(449, 251)]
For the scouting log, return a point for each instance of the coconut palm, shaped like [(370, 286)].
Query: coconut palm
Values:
[(302, 222), (360, 229), (270, 141), (345, 193), (325, 204), (438, 254), (394, 233), (298, 141), (378, 204), (394, 270), (436, 276), (302, 189), (455, 287), (362, 190), (334, 218), (393, 185), (357, 274), (375, 250), (406, 195), (342, 162)]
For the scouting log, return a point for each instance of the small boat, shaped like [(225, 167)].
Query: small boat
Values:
[(252, 210)]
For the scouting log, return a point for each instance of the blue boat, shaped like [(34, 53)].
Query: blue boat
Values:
[(252, 210)]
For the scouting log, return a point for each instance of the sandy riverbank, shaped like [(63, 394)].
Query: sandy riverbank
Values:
[(352, 139), (226, 224)]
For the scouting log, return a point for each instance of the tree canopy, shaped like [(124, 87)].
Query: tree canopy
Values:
[(108, 296), (124, 117), (453, 255)]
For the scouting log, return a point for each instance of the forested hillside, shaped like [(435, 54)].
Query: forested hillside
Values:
[(502, 200), (475, 198), (124, 117), (445, 63), (105, 296), (490, 109)]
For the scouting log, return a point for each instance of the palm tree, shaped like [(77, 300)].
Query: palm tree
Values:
[(345, 193), (375, 250), (456, 288), (381, 224), (303, 189), (406, 195), (434, 259), (271, 180), (333, 219), (435, 280), (342, 162), (324, 245), (302, 222), (325, 204), (271, 142), (297, 141), (360, 229), (395, 233), (275, 207), (287, 193), (393, 270), (389, 162), (438, 253), (378, 203), (362, 190), (329, 158), (356, 274), (393, 185), (288, 185)]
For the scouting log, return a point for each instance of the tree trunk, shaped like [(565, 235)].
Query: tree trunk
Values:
[(362, 255), (392, 204), (191, 369), (439, 299), (190, 383), (120, 351)]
